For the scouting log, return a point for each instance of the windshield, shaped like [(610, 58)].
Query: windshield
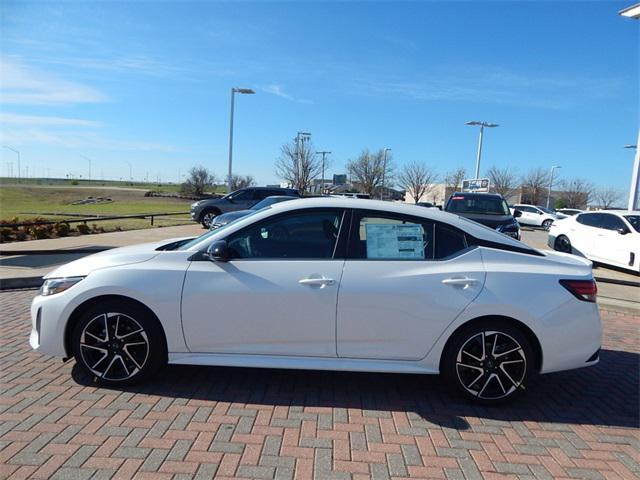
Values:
[(210, 233), (270, 201), (545, 210), (634, 220), (479, 204)]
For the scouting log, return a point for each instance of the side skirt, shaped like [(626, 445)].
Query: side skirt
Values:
[(300, 363)]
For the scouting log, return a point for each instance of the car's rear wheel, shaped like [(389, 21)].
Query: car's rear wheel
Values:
[(207, 218), (488, 362), (547, 224), (118, 344), (562, 244)]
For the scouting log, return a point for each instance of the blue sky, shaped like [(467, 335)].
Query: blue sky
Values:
[(148, 83)]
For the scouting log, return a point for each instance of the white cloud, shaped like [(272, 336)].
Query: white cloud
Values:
[(278, 91), (24, 85), (31, 120)]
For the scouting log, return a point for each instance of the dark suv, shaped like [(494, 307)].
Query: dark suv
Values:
[(489, 209), (204, 211)]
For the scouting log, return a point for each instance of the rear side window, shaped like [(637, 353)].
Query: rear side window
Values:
[(589, 219), (381, 237), (448, 241), (611, 222)]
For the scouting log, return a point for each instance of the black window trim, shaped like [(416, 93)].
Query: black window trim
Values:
[(338, 249)]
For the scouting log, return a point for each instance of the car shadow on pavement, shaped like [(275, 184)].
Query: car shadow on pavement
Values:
[(606, 394)]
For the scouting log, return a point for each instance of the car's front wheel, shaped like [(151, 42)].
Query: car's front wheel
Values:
[(118, 344), (488, 362), (207, 218)]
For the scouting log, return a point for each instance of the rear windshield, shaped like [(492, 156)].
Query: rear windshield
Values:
[(479, 204)]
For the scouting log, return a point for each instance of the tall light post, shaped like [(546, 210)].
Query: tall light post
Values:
[(88, 160), (323, 153), (17, 153), (551, 183), (130, 170), (301, 137), (482, 127), (635, 178), (243, 91), (384, 171)]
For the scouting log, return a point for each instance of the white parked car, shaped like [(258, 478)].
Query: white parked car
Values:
[(328, 284), (535, 215), (611, 237)]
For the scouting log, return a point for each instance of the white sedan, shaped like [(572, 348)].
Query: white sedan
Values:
[(611, 237), (328, 284)]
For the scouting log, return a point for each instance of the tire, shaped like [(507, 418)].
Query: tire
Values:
[(207, 217), (118, 343), (563, 244), (493, 375), (547, 224)]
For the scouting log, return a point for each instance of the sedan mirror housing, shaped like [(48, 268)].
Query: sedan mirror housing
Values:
[(219, 251), (517, 213), (622, 231)]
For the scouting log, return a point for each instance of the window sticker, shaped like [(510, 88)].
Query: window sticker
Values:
[(389, 241)]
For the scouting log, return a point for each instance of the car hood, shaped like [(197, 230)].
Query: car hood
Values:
[(111, 258), (231, 216), (491, 221)]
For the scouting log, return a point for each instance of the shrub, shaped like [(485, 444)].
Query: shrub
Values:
[(39, 232), (83, 229), (74, 182), (61, 229)]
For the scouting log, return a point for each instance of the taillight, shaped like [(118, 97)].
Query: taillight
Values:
[(581, 289)]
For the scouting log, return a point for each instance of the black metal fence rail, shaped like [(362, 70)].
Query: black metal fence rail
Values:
[(85, 220)]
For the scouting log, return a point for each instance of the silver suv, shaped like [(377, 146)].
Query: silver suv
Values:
[(204, 211)]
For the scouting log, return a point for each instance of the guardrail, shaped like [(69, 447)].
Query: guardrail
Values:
[(91, 219)]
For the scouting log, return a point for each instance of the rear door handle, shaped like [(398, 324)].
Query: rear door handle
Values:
[(315, 281), (460, 281)]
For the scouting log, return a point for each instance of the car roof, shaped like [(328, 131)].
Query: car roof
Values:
[(617, 212)]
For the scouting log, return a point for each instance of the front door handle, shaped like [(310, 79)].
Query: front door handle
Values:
[(317, 281), (460, 281)]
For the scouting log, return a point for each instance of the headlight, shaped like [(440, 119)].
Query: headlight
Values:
[(51, 286), (194, 205)]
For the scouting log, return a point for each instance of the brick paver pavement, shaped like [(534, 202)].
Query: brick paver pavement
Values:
[(195, 422)]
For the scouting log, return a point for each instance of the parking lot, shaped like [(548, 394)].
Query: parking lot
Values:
[(196, 422)]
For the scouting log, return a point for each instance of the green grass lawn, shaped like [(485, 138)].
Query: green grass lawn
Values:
[(26, 201)]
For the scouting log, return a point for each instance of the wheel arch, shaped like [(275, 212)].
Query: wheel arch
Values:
[(531, 336), (90, 303)]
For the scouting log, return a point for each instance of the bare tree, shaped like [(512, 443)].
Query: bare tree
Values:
[(534, 186), (240, 181), (199, 179), (300, 166), (503, 180), (607, 197), (575, 193), (453, 181), (370, 169), (418, 179)]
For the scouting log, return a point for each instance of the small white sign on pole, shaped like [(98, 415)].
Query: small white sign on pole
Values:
[(476, 185)]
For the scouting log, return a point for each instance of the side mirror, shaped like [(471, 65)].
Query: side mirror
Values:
[(517, 213), (540, 213), (622, 231), (219, 251)]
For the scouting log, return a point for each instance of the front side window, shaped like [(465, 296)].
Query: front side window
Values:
[(300, 235), (634, 220)]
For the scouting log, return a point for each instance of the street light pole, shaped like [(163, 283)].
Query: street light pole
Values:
[(551, 183), (323, 153), (635, 178), (479, 155), (89, 160), (301, 137), (244, 91), (18, 153), (384, 171)]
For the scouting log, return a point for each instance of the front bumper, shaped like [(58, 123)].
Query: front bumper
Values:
[(48, 315)]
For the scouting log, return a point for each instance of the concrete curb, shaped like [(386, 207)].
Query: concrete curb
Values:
[(615, 281)]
